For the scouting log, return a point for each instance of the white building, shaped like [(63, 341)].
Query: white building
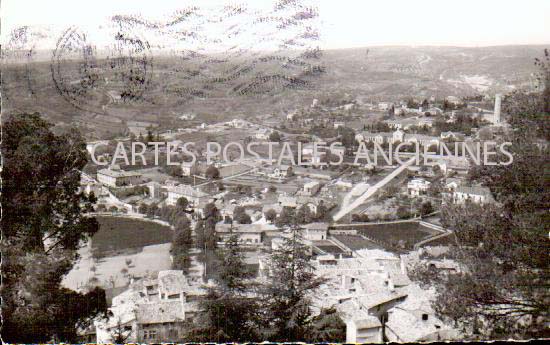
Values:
[(115, 177), (367, 329), (311, 188), (417, 186), (384, 106), (248, 234), (338, 124), (475, 194), (263, 133), (194, 196), (315, 231), (187, 168)]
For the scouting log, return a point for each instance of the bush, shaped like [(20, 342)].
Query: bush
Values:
[(212, 173)]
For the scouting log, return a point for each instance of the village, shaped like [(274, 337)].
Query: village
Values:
[(366, 225)]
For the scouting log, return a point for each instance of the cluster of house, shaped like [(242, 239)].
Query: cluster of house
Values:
[(376, 299), (398, 136), (454, 191), (152, 310)]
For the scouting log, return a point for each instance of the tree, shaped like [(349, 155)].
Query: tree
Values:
[(286, 218), (275, 136), (426, 208), (304, 215), (270, 215), (182, 203), (181, 245), (291, 282), (43, 223), (205, 228), (347, 136), (425, 104), (403, 212), (240, 215), (150, 137), (229, 312), (212, 173), (327, 327), (322, 213)]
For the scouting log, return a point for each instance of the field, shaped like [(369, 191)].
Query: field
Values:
[(118, 235), (399, 235), (356, 242)]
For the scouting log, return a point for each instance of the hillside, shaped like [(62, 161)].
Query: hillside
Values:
[(214, 88)]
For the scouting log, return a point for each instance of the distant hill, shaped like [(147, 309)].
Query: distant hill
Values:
[(178, 85), (383, 72)]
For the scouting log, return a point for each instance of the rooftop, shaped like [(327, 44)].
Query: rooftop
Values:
[(474, 190), (115, 172), (187, 190), (160, 312)]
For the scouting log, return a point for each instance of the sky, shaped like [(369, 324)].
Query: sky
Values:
[(342, 23)]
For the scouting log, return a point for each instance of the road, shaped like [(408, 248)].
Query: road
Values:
[(372, 190)]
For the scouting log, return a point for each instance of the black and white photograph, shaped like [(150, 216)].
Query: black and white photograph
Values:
[(279, 171)]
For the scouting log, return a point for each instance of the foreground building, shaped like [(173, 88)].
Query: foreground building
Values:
[(152, 310), (377, 301)]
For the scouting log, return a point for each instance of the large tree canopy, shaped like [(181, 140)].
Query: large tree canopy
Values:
[(43, 223)]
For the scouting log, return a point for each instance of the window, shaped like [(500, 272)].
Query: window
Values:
[(173, 333), (150, 334), (424, 317)]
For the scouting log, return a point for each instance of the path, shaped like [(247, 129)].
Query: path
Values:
[(372, 190)]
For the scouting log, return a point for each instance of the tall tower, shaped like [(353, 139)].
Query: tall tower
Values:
[(496, 116)]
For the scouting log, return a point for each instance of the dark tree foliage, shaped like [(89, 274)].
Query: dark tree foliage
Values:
[(286, 218), (182, 244), (43, 223), (205, 228), (230, 309), (275, 137), (288, 291), (183, 203), (212, 173), (240, 216), (270, 215), (304, 215), (327, 327), (347, 137)]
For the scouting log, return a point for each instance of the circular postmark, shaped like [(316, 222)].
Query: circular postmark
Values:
[(19, 53), (94, 80)]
